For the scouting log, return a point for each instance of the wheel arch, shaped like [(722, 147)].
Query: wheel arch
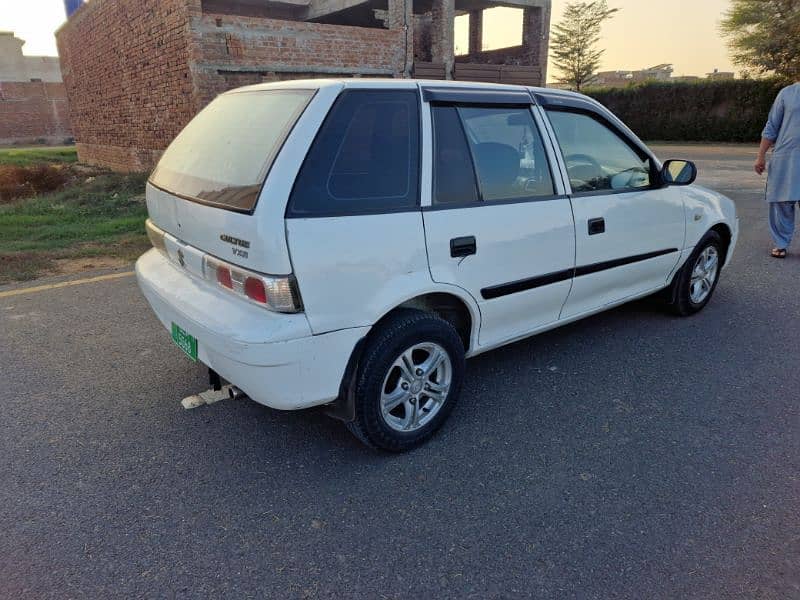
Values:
[(724, 231), (449, 303)]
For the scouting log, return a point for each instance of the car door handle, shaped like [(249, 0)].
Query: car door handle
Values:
[(597, 226), (463, 246)]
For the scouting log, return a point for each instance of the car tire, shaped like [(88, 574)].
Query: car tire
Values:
[(400, 398), (695, 283)]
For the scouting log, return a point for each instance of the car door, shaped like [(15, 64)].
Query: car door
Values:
[(498, 223), (629, 227)]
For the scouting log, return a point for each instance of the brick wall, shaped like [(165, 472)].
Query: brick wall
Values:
[(32, 112), (126, 69), (136, 71), (235, 50), (515, 55)]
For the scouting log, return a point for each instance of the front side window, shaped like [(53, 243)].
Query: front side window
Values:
[(223, 155), (597, 158), (365, 158)]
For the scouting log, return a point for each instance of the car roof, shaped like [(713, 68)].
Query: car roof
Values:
[(388, 83)]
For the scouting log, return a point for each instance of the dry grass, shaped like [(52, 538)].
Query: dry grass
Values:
[(25, 182), (92, 217)]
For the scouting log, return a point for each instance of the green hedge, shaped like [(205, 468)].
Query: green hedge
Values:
[(709, 111)]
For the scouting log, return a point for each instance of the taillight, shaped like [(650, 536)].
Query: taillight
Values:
[(224, 277), (278, 294), (255, 290), (156, 236)]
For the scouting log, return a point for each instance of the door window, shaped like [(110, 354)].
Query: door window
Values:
[(499, 148), (365, 158), (597, 158), (453, 175)]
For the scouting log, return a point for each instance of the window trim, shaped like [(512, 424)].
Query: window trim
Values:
[(473, 96), (289, 213), (525, 200), (656, 182), (481, 200)]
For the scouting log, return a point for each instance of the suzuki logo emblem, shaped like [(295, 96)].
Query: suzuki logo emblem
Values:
[(181, 258)]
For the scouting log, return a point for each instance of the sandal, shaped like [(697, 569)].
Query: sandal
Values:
[(778, 253)]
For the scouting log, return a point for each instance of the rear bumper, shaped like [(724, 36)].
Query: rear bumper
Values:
[(272, 357)]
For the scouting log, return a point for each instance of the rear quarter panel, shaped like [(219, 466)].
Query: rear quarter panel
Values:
[(278, 185)]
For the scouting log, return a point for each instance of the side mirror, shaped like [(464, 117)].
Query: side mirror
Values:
[(679, 172)]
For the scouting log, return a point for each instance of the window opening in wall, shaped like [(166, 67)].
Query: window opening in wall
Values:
[(502, 28), (461, 35)]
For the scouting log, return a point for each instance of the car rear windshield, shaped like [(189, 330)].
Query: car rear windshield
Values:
[(224, 154)]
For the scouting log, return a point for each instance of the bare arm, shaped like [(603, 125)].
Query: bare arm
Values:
[(761, 161)]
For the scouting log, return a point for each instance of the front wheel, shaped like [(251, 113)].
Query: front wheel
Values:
[(695, 283), (408, 380)]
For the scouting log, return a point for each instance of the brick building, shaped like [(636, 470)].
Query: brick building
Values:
[(137, 70), (33, 102)]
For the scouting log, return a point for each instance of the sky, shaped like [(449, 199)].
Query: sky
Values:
[(644, 33)]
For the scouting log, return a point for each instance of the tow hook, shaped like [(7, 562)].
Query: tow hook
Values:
[(215, 394), (208, 397)]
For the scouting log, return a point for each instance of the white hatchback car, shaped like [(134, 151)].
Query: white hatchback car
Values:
[(348, 243)]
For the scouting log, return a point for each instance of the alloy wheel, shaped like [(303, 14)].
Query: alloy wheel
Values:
[(704, 275), (416, 387)]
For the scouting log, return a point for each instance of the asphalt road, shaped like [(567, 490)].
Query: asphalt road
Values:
[(631, 455)]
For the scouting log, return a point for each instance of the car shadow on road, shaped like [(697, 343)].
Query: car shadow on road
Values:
[(534, 381)]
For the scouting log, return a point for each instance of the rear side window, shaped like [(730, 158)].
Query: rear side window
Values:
[(453, 176), (224, 154), (508, 152), (500, 149), (365, 158)]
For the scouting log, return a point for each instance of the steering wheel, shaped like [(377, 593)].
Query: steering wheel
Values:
[(579, 173), (632, 172)]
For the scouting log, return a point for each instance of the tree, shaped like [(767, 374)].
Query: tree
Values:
[(764, 35), (575, 39)]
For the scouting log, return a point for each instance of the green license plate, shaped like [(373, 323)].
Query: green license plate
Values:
[(185, 342)]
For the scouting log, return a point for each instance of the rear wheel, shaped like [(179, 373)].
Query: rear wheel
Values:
[(408, 380), (695, 283)]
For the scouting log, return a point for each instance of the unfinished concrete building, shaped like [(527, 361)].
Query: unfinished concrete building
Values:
[(137, 70)]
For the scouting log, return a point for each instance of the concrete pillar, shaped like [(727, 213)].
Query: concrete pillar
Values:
[(475, 31), (400, 15), (442, 23), (536, 37)]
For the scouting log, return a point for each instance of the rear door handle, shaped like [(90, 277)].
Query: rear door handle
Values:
[(463, 246), (597, 226)]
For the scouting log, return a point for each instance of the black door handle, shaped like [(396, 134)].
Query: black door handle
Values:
[(597, 226), (463, 246)]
